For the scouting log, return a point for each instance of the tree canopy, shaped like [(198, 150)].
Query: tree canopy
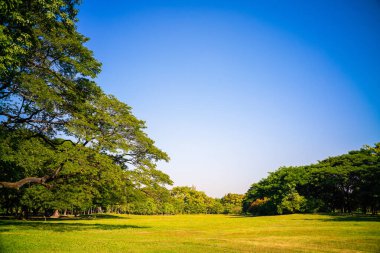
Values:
[(58, 129), (345, 183), (64, 143), (51, 104)]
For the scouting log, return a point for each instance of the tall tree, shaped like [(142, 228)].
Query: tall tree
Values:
[(51, 105)]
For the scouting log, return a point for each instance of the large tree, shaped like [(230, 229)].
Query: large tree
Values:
[(55, 121), (345, 183)]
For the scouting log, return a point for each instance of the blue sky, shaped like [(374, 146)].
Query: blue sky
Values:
[(234, 89)]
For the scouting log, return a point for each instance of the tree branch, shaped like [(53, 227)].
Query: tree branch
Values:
[(35, 180), (18, 184)]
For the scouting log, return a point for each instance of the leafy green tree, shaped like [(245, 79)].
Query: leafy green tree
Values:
[(49, 99), (276, 188), (37, 197), (292, 203), (345, 183), (190, 201), (215, 207), (58, 128), (260, 206), (232, 203)]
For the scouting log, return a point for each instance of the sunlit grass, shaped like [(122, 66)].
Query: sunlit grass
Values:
[(194, 233)]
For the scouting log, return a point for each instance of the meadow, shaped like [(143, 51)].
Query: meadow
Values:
[(194, 233)]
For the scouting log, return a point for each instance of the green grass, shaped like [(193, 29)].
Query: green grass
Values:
[(194, 233)]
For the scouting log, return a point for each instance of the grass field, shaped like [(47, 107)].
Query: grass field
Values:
[(194, 233)]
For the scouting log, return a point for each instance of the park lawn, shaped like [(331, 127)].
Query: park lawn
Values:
[(194, 233)]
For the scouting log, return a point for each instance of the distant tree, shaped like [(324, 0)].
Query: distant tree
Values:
[(343, 183), (348, 182), (215, 207), (232, 203), (276, 189), (261, 206), (190, 201), (292, 203)]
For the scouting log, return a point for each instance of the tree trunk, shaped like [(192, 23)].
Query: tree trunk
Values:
[(24, 215), (55, 214)]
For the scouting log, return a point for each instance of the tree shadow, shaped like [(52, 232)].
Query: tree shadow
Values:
[(62, 226), (81, 217), (94, 216), (251, 215), (328, 217), (239, 216), (324, 217), (356, 218)]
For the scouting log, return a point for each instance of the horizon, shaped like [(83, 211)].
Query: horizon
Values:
[(234, 90)]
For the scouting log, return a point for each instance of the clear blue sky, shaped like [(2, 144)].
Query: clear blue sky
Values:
[(234, 89)]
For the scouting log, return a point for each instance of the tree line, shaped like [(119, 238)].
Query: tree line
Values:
[(71, 199), (346, 184), (68, 147)]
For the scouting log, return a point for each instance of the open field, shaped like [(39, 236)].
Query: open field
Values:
[(194, 233)]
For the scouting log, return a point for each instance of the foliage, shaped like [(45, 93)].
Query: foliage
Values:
[(345, 183), (291, 203), (57, 127), (261, 207), (47, 88), (190, 201), (232, 203)]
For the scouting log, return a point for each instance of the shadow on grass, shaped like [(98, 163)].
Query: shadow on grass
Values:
[(324, 217), (96, 216), (61, 226), (356, 218), (249, 216), (237, 216), (328, 217), (81, 217)]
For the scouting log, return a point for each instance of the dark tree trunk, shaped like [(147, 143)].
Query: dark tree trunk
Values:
[(24, 214)]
